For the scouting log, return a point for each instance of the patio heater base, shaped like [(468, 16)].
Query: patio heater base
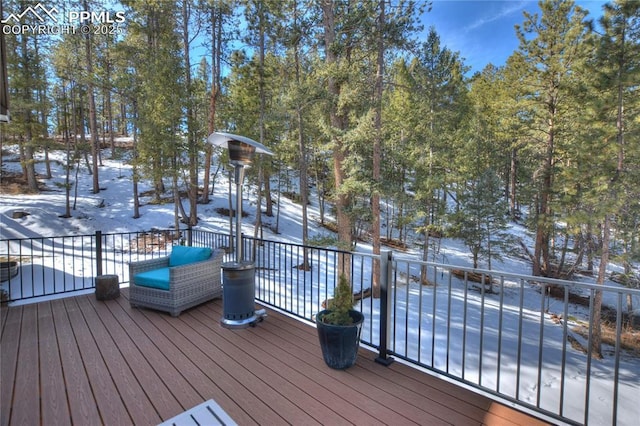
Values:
[(258, 316), (238, 293)]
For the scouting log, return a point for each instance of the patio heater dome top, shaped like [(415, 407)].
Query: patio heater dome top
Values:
[(241, 148)]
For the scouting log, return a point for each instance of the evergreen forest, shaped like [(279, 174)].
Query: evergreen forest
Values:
[(361, 104)]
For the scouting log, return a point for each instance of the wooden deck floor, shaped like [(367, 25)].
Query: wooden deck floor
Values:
[(83, 362)]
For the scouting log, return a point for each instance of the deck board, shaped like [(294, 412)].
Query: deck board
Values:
[(135, 343), (55, 410), (88, 389), (208, 361), (82, 361), (283, 373), (8, 359), (314, 379), (27, 378), (244, 368), (112, 356)]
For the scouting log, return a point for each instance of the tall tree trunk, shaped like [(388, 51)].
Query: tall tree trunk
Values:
[(93, 125), (302, 154), (377, 150), (216, 57), (320, 190), (192, 143), (541, 264), (28, 162), (596, 312), (338, 122), (78, 126), (425, 257), (122, 124), (112, 139), (513, 180), (258, 232), (134, 169), (261, 82), (42, 99), (266, 182), (108, 101), (67, 140), (178, 208)]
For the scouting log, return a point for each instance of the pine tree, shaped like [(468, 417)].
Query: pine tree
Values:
[(219, 13), (154, 48), (93, 125), (300, 92), (340, 40), (481, 221), (606, 179), (392, 28), (551, 47), (438, 85), (26, 64), (401, 134), (190, 16)]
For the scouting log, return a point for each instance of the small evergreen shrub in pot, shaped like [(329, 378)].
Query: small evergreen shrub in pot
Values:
[(339, 328)]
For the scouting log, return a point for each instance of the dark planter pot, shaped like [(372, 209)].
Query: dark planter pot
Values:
[(8, 270), (339, 343)]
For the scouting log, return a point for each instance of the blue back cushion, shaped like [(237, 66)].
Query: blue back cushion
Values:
[(182, 255), (155, 278)]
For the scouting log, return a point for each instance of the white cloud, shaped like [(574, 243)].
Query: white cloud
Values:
[(508, 8)]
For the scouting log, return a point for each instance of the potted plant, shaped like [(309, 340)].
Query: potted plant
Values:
[(8, 269), (339, 327)]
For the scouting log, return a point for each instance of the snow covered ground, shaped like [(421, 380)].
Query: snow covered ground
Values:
[(111, 210)]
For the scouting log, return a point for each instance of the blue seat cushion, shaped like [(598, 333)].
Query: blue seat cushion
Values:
[(182, 255), (155, 278)]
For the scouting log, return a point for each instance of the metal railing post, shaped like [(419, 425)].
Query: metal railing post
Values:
[(98, 253), (386, 270)]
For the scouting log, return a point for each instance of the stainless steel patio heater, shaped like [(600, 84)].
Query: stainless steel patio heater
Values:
[(238, 277)]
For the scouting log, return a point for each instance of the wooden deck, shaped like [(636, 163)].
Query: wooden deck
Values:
[(84, 362)]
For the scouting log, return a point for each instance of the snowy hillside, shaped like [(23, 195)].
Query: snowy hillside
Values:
[(111, 210)]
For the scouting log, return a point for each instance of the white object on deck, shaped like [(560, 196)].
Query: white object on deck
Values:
[(207, 413)]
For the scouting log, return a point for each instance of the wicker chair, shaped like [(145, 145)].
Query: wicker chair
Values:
[(189, 285)]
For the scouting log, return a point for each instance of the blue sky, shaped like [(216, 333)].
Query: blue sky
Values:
[(483, 30)]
